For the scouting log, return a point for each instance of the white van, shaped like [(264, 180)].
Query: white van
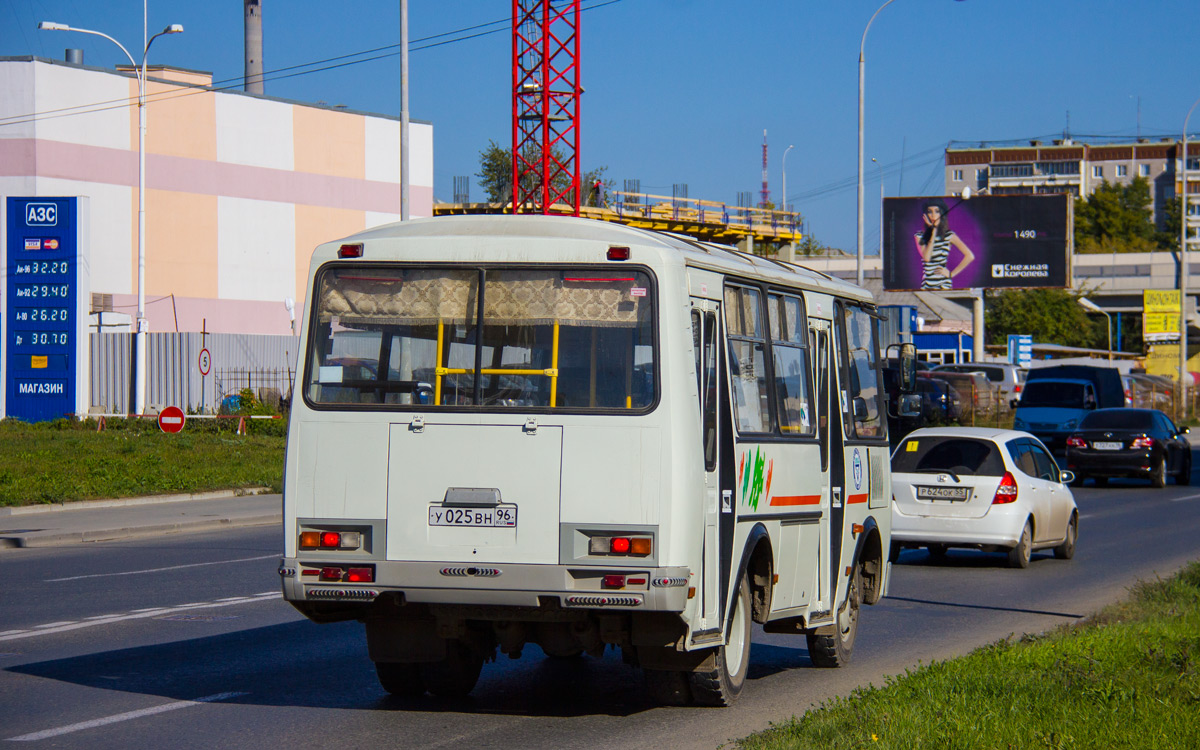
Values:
[(582, 435)]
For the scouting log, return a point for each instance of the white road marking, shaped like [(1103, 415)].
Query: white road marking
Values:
[(47, 733), (1185, 497), (62, 627), (160, 570)]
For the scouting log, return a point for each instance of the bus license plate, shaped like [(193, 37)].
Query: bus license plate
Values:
[(499, 516)]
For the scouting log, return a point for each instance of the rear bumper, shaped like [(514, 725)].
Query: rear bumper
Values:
[(1001, 526), (665, 589), (1110, 463)]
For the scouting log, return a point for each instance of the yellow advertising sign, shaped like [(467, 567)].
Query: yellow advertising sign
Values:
[(1160, 314), (1161, 301)]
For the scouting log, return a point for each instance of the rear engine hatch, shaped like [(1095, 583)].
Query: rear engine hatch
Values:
[(474, 493)]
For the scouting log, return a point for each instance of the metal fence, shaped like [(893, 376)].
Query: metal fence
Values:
[(264, 364)]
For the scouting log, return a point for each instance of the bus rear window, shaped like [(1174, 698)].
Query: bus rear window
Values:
[(576, 338)]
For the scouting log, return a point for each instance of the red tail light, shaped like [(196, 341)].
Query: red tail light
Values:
[(360, 575), (1007, 491), (331, 539), (613, 582), (1143, 442), (1076, 442), (620, 544), (350, 251)]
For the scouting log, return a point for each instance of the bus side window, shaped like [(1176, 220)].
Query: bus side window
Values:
[(697, 348), (789, 352), (747, 359)]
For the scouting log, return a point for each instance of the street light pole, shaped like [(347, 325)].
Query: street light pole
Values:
[(861, 80), (1090, 306), (1183, 266), (880, 168), (139, 389)]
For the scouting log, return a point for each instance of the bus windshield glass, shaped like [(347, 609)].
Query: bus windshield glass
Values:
[(563, 338)]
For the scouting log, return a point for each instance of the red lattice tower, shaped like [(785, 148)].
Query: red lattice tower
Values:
[(545, 105)]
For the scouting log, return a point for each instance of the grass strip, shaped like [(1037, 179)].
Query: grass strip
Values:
[(62, 461), (1128, 677)]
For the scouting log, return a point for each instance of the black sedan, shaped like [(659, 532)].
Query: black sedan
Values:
[(1129, 443)]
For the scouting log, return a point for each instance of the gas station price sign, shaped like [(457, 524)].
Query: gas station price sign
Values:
[(44, 319)]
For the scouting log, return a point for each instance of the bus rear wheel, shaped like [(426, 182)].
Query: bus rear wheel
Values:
[(454, 676), (399, 678), (721, 685), (833, 645)]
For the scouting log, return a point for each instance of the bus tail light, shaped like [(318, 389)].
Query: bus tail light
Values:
[(639, 546), (1007, 491), (360, 575), (328, 540), (613, 582), (331, 574), (310, 539), (331, 539)]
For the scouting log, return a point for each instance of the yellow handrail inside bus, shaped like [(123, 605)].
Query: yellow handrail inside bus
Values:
[(550, 372), (554, 366), (437, 381)]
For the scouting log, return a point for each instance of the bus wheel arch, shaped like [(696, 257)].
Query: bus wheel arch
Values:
[(869, 557), (758, 567)]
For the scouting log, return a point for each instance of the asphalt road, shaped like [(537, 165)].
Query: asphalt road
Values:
[(184, 642)]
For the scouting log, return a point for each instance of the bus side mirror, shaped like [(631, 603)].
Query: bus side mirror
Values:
[(908, 366), (910, 405)]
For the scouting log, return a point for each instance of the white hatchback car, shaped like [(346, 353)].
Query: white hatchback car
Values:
[(996, 490)]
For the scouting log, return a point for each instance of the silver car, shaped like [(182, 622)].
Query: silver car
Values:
[(1006, 376)]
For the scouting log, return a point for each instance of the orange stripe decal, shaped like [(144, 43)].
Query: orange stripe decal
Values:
[(796, 500), (857, 498)]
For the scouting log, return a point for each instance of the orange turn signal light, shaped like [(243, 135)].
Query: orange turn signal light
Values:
[(640, 545), (310, 539)]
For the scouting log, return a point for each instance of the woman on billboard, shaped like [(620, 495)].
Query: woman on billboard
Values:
[(934, 245)]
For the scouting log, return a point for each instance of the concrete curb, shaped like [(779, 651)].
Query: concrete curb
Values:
[(22, 510), (24, 540)]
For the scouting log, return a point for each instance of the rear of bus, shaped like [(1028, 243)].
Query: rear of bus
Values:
[(476, 448)]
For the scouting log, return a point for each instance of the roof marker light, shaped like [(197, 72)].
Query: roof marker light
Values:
[(354, 250), (618, 253)]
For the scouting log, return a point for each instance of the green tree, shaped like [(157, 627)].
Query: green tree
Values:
[(1116, 219), (495, 176), (1049, 315), (1168, 238)]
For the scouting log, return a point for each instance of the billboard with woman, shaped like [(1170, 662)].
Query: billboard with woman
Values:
[(1001, 241)]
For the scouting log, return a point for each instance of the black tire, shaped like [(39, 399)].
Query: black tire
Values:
[(454, 676), (937, 551), (1080, 478), (1066, 550), (1100, 481), (400, 678), (833, 646), (1185, 473), (1018, 556), (894, 552), (722, 685), (669, 688), (1158, 474)]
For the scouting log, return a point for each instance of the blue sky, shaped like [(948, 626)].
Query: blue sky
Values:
[(679, 91)]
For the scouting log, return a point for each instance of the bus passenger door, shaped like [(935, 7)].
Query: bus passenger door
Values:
[(705, 329), (829, 434)]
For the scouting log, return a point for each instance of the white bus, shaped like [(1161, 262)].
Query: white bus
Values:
[(549, 430)]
